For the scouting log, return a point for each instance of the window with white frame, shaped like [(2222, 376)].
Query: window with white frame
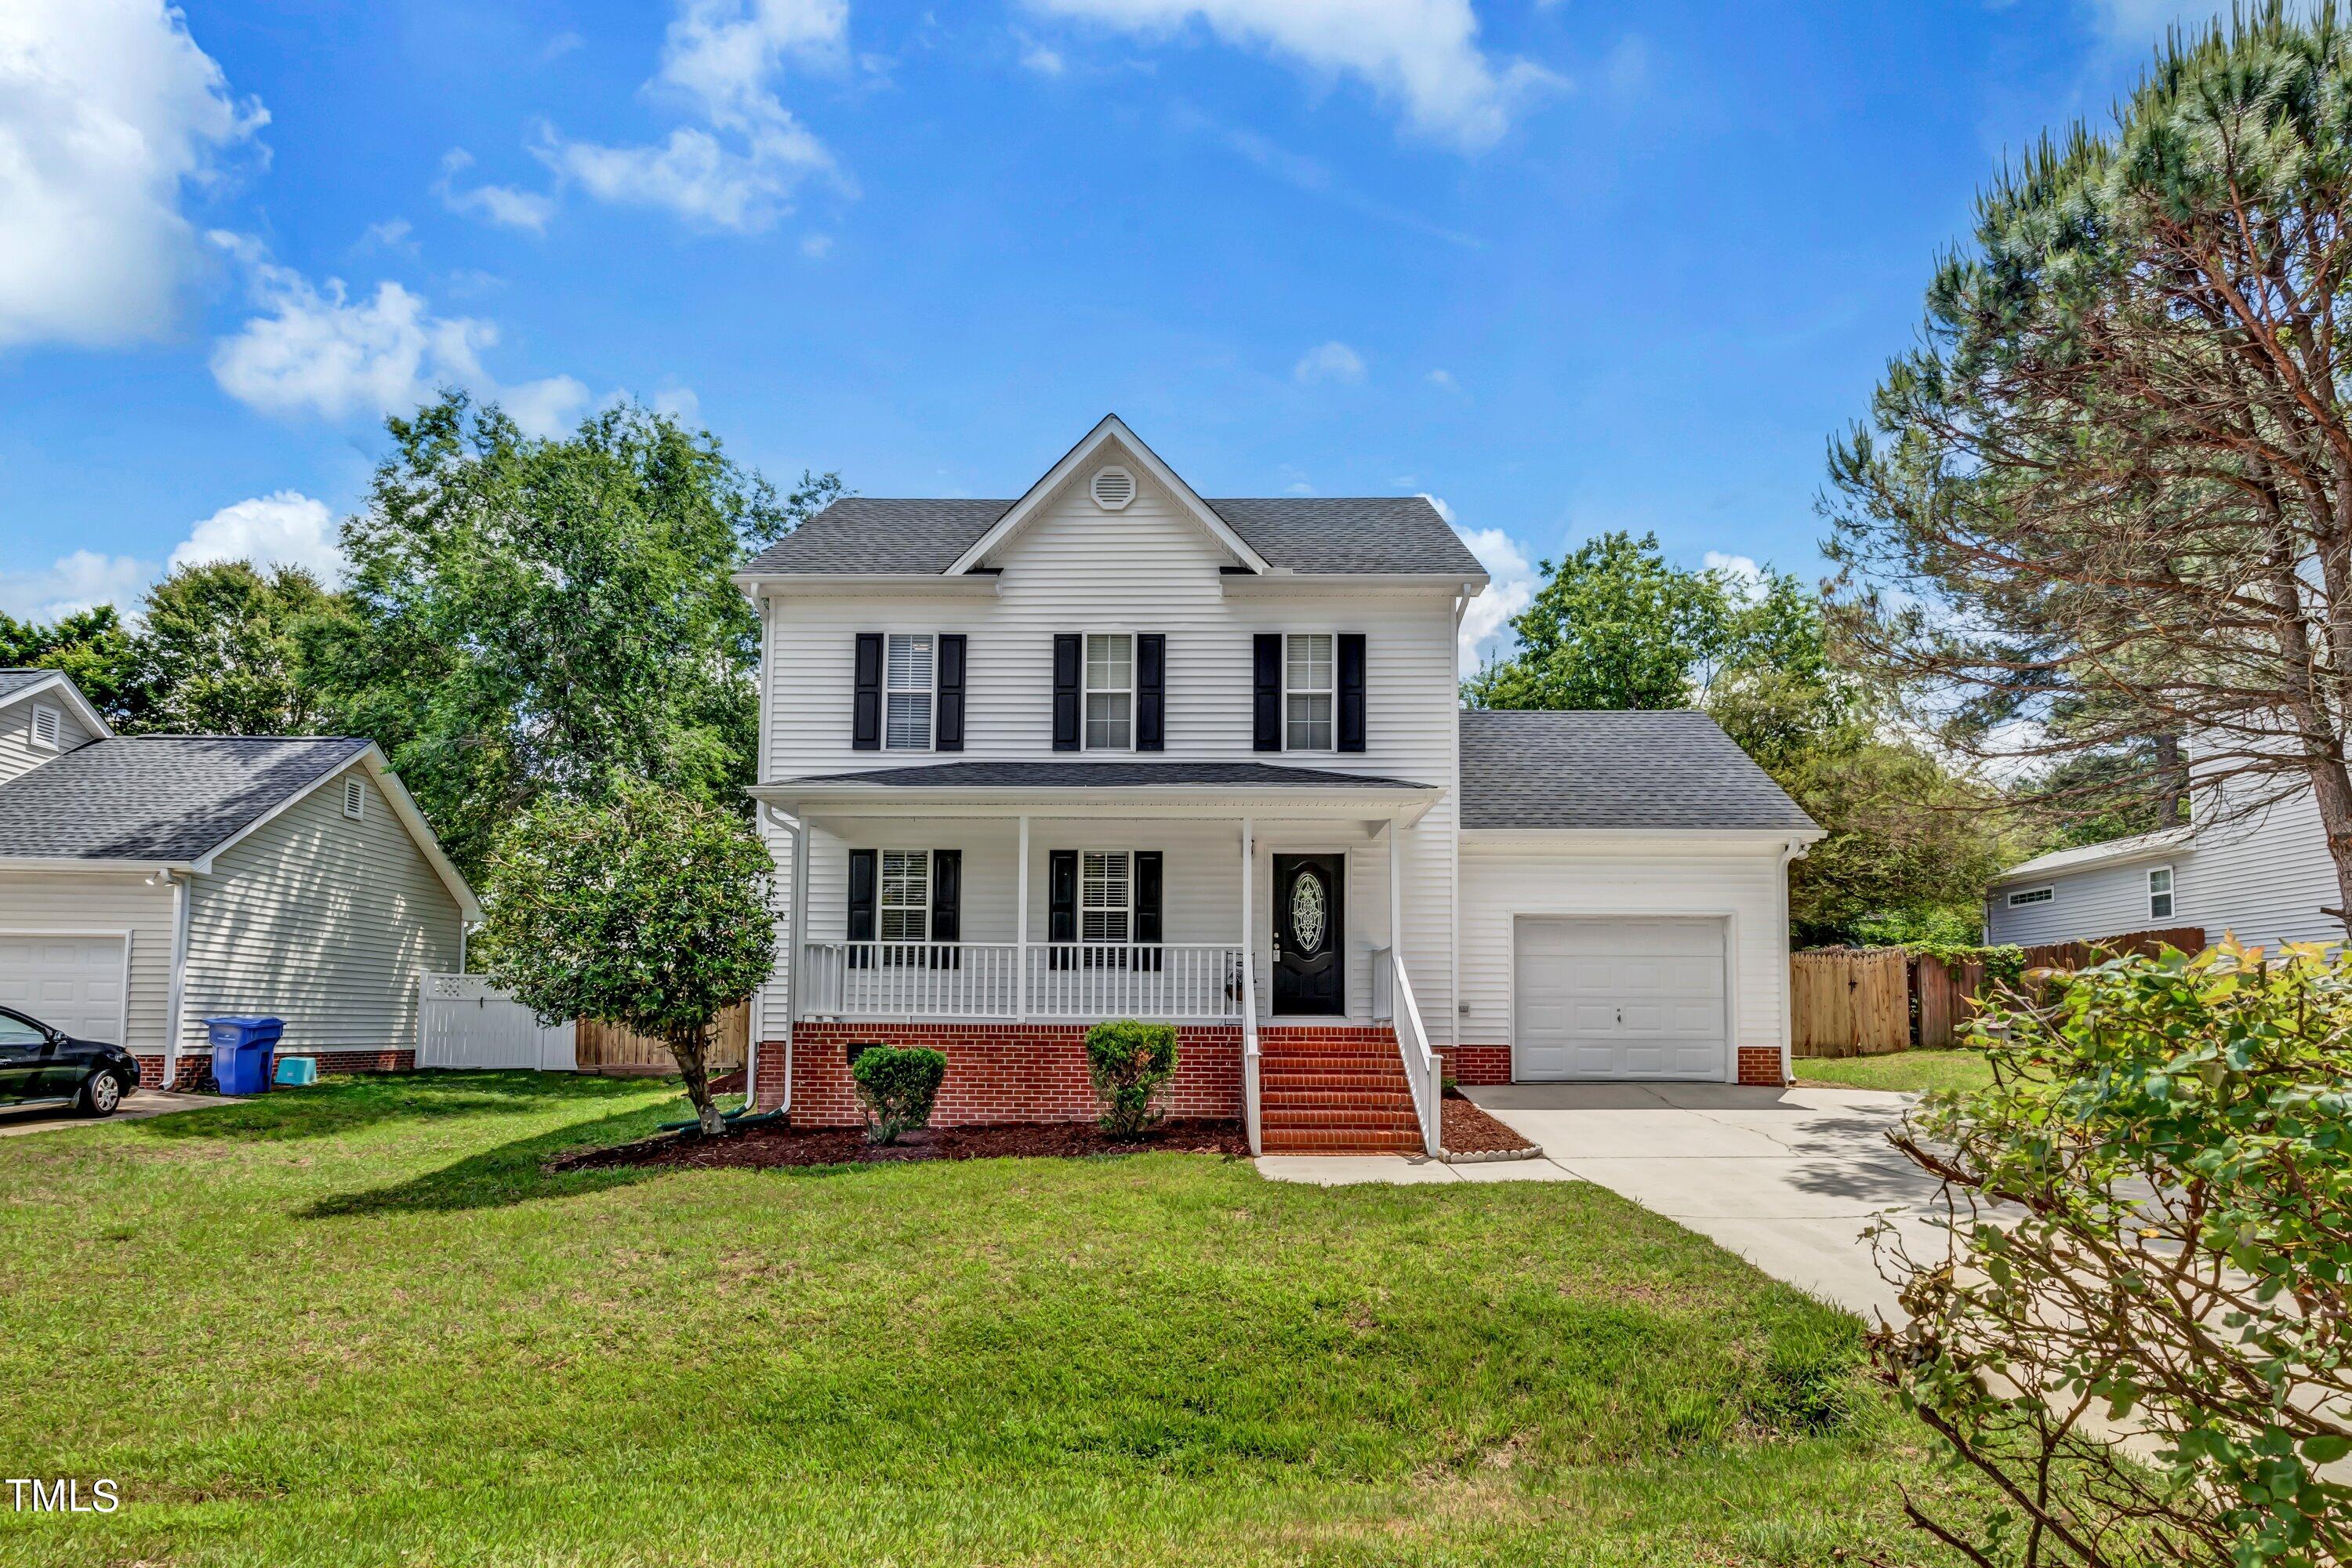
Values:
[(1106, 896), (906, 684), (47, 727), (2032, 896), (1310, 680), (905, 905), (1110, 691), (2159, 893)]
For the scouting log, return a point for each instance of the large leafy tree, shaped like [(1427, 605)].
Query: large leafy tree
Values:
[(220, 649), (2108, 499), (643, 909), (92, 646), (535, 618), (1613, 625)]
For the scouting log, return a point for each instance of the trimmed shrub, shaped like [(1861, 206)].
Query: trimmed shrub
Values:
[(898, 1087), (1128, 1062)]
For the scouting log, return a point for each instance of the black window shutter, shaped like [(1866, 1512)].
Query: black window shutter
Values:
[(1151, 692), (947, 907), (1351, 691), (948, 723), (862, 867), (1068, 655), (1267, 709), (1061, 901), (1148, 928), (866, 722)]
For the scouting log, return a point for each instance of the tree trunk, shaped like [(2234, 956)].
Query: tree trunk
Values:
[(2171, 781), (690, 1047), (2331, 787)]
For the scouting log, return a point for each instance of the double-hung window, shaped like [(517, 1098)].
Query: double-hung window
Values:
[(1111, 692), (2159, 893), (907, 690), (1309, 683), (1106, 896), (903, 909)]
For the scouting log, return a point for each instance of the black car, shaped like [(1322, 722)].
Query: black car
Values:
[(38, 1063)]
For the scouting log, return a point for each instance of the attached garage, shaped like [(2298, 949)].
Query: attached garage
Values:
[(1603, 997), (76, 980)]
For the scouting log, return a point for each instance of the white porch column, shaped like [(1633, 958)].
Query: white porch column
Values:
[(1249, 898), (1396, 890), (796, 958), (1021, 932)]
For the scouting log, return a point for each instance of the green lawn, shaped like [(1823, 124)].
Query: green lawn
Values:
[(1915, 1072), (359, 1325)]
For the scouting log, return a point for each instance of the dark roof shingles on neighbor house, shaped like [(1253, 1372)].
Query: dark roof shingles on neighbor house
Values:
[(1107, 775), (158, 798), (1316, 535), (1669, 771)]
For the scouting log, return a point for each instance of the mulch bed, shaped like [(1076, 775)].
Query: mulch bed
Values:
[(766, 1148), (1470, 1131)]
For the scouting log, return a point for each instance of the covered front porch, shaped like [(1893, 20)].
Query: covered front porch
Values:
[(1246, 913)]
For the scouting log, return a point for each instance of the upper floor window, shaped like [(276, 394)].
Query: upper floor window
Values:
[(1309, 683), (2032, 896), (1106, 896), (905, 905), (908, 672), (2159, 893), (1110, 691)]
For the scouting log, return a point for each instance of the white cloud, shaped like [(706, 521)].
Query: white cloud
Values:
[(680, 404), (738, 168), (395, 234), (816, 247), (283, 529), (72, 582), (1334, 360), (317, 351), (1438, 504), (1747, 577), (1443, 381), (108, 112), (1042, 60), (1485, 625), (508, 206), (1424, 54)]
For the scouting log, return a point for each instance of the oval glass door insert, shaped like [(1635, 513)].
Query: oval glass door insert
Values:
[(1307, 913)]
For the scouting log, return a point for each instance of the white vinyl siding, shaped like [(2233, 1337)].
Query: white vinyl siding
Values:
[(323, 921), (2083, 905), (1110, 691), (111, 902), (907, 692), (1509, 875), (1155, 570), (19, 750), (1309, 685)]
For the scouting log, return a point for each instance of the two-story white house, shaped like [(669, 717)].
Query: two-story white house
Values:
[(1110, 750)]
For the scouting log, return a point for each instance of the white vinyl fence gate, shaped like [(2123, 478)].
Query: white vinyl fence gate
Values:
[(463, 1021)]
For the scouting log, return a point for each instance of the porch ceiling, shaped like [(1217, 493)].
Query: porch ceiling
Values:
[(1104, 789)]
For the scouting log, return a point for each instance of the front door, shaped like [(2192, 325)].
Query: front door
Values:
[(1310, 897)]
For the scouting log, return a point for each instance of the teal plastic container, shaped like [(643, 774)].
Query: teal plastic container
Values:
[(296, 1072)]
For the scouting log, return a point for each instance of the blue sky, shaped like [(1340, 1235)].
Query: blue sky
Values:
[(1565, 267)]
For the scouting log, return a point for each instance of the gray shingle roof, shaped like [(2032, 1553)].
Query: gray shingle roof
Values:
[(1107, 775), (1321, 535), (159, 797), (1666, 770), (15, 681)]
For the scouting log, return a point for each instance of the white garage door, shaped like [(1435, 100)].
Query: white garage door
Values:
[(68, 982), (1619, 998)]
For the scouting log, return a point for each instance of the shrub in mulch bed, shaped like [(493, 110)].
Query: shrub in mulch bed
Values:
[(1466, 1130), (764, 1147)]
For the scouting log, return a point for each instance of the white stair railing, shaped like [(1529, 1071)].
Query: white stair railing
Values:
[(1421, 1068), (1249, 1052)]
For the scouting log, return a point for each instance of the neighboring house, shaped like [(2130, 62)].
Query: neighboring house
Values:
[(2261, 872), (150, 882), (1112, 749)]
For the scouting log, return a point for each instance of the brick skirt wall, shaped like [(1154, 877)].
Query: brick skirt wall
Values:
[(996, 1072), (1477, 1064), (1761, 1065), (195, 1074)]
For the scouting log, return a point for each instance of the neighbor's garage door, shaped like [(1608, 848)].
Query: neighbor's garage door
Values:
[(68, 982), (1619, 998)]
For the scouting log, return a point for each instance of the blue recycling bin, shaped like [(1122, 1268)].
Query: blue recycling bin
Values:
[(242, 1049)]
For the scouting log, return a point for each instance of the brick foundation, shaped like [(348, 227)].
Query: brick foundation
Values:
[(195, 1074), (996, 1072), (1477, 1064), (1761, 1065)]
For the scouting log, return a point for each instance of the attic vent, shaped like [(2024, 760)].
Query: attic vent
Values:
[(1113, 489), (354, 799), (44, 726)]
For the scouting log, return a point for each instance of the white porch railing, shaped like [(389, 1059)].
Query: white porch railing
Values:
[(984, 980), (1250, 1092), (1421, 1068)]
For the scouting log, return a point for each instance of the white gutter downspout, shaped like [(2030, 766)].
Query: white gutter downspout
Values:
[(1454, 848), (176, 1001), (1792, 850)]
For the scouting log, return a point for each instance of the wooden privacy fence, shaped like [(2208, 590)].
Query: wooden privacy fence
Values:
[(607, 1047), (1849, 1001), (1862, 1001)]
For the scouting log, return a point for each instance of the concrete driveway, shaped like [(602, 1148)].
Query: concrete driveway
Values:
[(15, 1120), (1785, 1177)]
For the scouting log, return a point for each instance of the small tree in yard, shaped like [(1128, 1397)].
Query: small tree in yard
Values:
[(898, 1086), (2141, 1336), (1128, 1062), (644, 910)]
